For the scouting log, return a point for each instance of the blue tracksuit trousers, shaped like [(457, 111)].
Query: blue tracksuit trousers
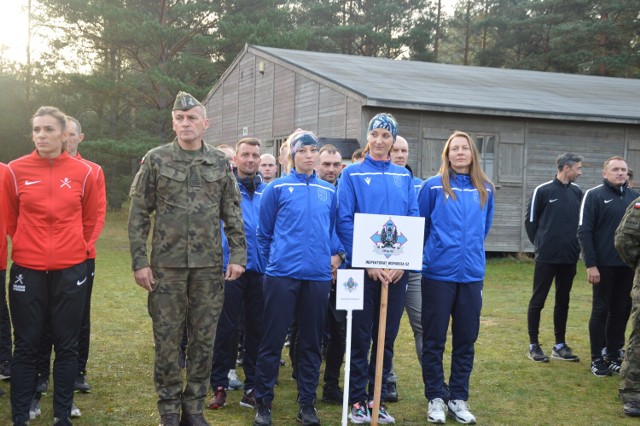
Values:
[(462, 303), (243, 293), (365, 331), (284, 298)]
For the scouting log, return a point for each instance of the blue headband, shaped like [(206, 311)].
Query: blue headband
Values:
[(301, 139), (384, 121)]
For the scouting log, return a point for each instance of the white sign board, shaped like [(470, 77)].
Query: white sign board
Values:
[(350, 289), (387, 241)]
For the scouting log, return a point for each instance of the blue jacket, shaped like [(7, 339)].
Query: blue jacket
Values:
[(297, 216), (417, 184), (376, 187), (250, 215), (454, 231), (226, 251)]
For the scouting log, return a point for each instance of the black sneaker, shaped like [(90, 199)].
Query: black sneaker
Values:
[(62, 421), (263, 414), (80, 384), (308, 416), (392, 392), (5, 370), (599, 368), (564, 354), (248, 399), (614, 365), (631, 408), (196, 419), (535, 353), (332, 394)]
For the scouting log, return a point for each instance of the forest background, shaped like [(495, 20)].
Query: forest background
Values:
[(116, 65)]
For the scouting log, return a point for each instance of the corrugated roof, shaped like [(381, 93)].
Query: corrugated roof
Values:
[(440, 87)]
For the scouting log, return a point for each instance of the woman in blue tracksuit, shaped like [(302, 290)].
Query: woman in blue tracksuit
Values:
[(457, 205), (375, 186), (297, 216)]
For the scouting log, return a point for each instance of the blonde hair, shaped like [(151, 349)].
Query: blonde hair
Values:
[(287, 144), (478, 177)]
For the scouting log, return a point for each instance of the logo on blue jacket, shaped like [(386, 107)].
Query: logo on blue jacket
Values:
[(323, 194), (388, 240)]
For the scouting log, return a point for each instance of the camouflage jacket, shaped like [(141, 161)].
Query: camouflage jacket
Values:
[(188, 195), (627, 239)]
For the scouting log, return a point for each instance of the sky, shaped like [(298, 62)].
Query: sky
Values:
[(14, 28)]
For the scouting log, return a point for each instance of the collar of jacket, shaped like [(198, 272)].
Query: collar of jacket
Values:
[(63, 155), (618, 190), (204, 156), (459, 178), (378, 164), (559, 182), (302, 177)]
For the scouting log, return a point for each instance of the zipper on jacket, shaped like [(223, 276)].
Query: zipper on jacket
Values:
[(50, 214)]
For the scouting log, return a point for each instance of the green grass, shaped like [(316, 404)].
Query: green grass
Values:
[(506, 387)]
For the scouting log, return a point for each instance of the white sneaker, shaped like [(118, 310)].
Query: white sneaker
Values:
[(459, 410), (34, 410), (437, 411), (234, 382), (75, 411)]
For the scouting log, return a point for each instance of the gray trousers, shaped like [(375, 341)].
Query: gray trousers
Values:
[(413, 306)]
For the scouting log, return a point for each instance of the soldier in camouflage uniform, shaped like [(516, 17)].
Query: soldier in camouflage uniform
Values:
[(189, 188), (627, 243)]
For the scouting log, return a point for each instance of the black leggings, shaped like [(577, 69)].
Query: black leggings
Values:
[(36, 297)]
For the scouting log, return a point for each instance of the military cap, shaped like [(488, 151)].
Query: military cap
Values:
[(184, 102)]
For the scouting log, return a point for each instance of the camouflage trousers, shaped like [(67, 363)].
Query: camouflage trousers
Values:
[(194, 295), (630, 372)]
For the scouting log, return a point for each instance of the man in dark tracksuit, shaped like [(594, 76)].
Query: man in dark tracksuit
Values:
[(600, 213), (550, 220), (245, 292)]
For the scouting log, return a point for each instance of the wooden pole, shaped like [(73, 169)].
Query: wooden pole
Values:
[(382, 328)]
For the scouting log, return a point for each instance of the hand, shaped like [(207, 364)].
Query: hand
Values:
[(395, 275), (381, 275), (593, 275), (233, 272), (385, 276), (144, 278), (336, 262)]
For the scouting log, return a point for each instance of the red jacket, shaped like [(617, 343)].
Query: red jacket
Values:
[(102, 204), (50, 208), (3, 228)]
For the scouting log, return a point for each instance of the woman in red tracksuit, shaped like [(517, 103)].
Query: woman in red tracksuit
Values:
[(50, 207)]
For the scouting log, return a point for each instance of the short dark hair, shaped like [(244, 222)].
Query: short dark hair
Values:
[(357, 154), (568, 159), (76, 122), (329, 149), (248, 141)]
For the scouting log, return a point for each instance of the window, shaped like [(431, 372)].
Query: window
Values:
[(487, 151)]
